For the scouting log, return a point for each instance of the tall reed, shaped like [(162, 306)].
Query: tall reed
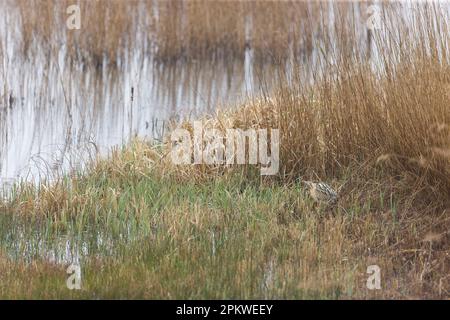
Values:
[(388, 119)]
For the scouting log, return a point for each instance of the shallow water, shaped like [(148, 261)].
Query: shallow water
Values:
[(55, 117)]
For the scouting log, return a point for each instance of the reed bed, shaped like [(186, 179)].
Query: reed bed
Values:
[(193, 239), (171, 31), (391, 120), (393, 210), (380, 133), (223, 30), (394, 130), (107, 29)]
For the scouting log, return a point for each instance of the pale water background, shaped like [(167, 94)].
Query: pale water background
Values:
[(55, 117)]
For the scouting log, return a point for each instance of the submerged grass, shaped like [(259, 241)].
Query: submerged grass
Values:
[(383, 134), (229, 237)]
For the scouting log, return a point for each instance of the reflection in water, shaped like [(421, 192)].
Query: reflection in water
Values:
[(60, 114), (56, 115), (28, 239)]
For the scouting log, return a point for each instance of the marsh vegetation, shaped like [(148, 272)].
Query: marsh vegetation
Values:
[(85, 118)]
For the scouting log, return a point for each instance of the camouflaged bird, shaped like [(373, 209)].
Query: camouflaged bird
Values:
[(321, 192)]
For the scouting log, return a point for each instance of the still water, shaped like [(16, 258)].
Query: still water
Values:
[(56, 116)]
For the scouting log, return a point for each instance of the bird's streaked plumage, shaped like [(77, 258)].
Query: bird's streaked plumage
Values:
[(321, 192)]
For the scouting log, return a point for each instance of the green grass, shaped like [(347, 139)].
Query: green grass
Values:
[(230, 237)]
